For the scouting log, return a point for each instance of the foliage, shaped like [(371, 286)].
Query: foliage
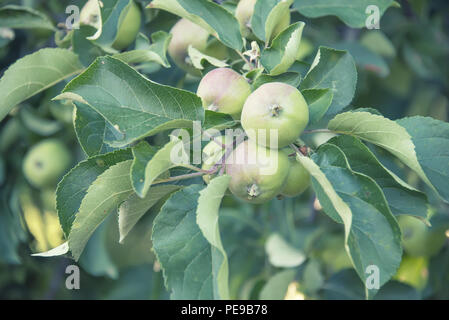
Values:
[(142, 225)]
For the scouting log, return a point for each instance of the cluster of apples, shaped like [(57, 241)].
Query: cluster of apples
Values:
[(260, 168)]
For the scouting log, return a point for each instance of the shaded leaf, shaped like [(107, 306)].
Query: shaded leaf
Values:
[(73, 187), (145, 52), (407, 139), (291, 78), (319, 101), (276, 286), (335, 70), (133, 209), (209, 15), (267, 16), (33, 74), (135, 106), (170, 156), (353, 13), (357, 201), (18, 17), (207, 219), (283, 52), (104, 195), (401, 197), (183, 252)]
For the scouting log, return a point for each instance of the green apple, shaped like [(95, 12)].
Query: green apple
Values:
[(212, 154), (257, 174), (46, 162), (186, 33), (244, 13), (224, 90), (128, 26), (275, 108), (298, 179), (419, 240)]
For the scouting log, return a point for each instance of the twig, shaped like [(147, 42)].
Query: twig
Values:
[(318, 131), (250, 65)]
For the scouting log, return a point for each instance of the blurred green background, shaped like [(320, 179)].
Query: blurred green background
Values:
[(403, 70)]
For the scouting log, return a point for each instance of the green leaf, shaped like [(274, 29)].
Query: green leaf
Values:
[(183, 252), (407, 139), (11, 230), (267, 15), (351, 12), (134, 208), (104, 195), (135, 106), (395, 290), (96, 259), (207, 14), (73, 187), (312, 278), (200, 59), (366, 59), (37, 124), (217, 120), (343, 285), (319, 101), (143, 175), (86, 49), (276, 287), (55, 252), (18, 17), (401, 197), (144, 52), (92, 130), (33, 74), (291, 78), (378, 42), (431, 140), (335, 70), (355, 200), (142, 153), (283, 52), (282, 254), (207, 220), (110, 15)]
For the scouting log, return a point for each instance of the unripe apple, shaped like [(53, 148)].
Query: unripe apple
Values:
[(186, 33), (244, 13), (298, 179), (419, 240), (224, 90), (213, 152), (46, 162), (275, 108), (128, 26), (257, 174)]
